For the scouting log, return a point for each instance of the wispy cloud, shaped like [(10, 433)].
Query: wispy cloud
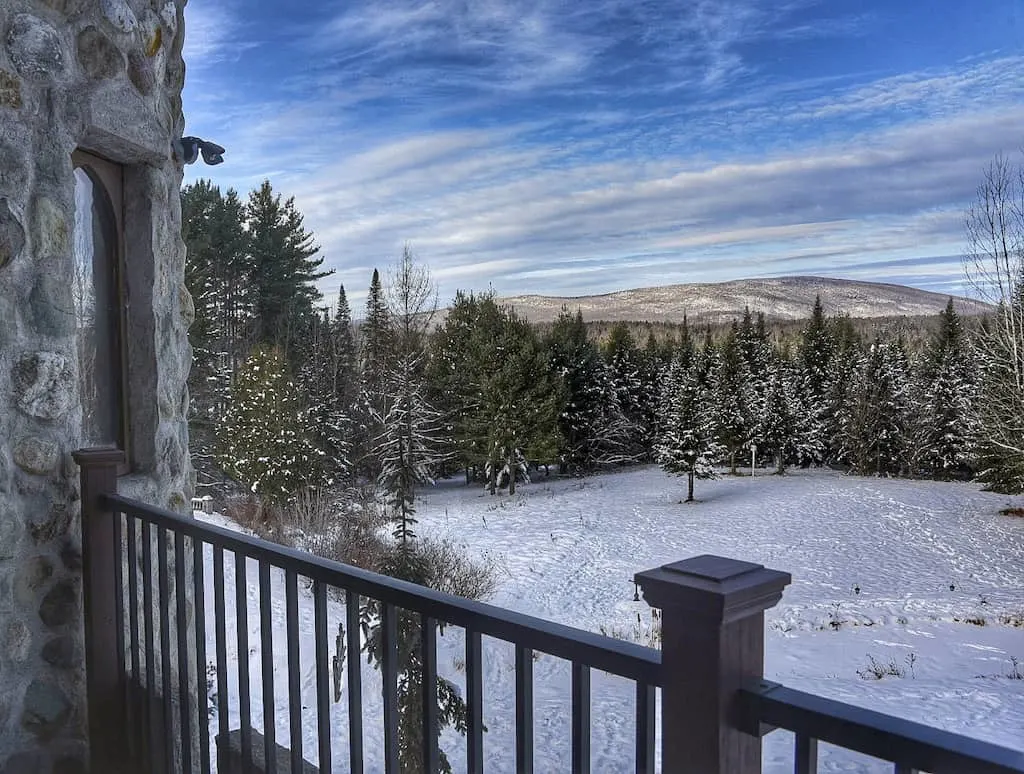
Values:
[(573, 147)]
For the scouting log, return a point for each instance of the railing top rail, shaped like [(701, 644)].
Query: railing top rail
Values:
[(619, 657), (900, 741)]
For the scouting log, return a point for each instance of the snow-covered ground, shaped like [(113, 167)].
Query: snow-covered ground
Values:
[(927, 576)]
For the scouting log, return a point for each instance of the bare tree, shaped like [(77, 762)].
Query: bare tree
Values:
[(994, 266)]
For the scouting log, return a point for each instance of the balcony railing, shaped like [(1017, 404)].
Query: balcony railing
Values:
[(147, 625)]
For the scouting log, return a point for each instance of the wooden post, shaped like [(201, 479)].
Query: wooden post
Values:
[(105, 695), (712, 643)]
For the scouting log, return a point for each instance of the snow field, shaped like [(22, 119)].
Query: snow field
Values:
[(872, 560)]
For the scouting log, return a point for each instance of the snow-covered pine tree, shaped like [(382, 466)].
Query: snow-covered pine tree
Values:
[(635, 386), (593, 426), (687, 445), (814, 382), (759, 360), (329, 416), (824, 439), (945, 424), (368, 407), (776, 421), (406, 448), (265, 439), (734, 421), (875, 430)]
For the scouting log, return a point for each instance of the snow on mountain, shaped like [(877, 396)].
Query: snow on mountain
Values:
[(783, 298)]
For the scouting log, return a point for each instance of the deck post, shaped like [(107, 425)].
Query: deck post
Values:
[(105, 695), (712, 642)]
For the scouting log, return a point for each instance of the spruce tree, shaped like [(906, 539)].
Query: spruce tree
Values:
[(285, 269), (264, 440), (732, 399), (687, 444), (593, 427)]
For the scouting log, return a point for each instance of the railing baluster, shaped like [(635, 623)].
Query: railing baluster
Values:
[(323, 676), (580, 718), (805, 755), (181, 627), (122, 654), (389, 675), (163, 584), (220, 633), (474, 703), (149, 613), (645, 695), (355, 683), (135, 712), (267, 671), (203, 696), (291, 594), (524, 710), (428, 634), (242, 632)]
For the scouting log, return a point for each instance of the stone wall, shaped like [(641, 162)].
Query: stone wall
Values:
[(103, 76)]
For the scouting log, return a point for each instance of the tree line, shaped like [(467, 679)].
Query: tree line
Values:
[(294, 393)]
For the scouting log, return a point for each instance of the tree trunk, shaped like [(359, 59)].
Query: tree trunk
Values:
[(732, 462), (689, 488), (780, 463), (512, 474)]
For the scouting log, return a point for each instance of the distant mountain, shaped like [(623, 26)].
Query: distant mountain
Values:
[(784, 298)]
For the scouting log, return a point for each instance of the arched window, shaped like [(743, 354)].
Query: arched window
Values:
[(97, 289)]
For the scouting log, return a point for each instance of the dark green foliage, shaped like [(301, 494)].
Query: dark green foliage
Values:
[(265, 441), (593, 427), (285, 268)]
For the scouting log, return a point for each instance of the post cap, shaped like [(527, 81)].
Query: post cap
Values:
[(713, 587)]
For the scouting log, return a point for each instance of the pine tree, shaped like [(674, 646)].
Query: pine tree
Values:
[(875, 431), (265, 440), (374, 349), (946, 426), (816, 388), (406, 448), (777, 425), (732, 400), (593, 427), (218, 275), (687, 444), (285, 269)]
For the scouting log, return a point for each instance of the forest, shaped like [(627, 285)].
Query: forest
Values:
[(288, 391)]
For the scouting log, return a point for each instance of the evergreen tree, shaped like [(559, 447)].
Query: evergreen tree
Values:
[(687, 445), (732, 400), (285, 269), (816, 388), (218, 275), (406, 448), (777, 425), (946, 424), (875, 431), (264, 440), (374, 349), (593, 427)]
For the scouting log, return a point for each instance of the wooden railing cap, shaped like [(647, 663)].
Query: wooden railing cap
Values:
[(713, 587)]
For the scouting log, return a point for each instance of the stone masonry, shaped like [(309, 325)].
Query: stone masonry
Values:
[(104, 76)]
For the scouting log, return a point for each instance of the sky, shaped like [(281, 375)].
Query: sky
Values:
[(571, 147)]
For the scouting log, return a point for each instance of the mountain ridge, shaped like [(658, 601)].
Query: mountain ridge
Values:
[(779, 298)]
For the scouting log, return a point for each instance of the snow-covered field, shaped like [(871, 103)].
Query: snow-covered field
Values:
[(924, 575)]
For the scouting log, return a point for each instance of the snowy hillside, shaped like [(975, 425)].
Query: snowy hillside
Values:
[(926, 576), (784, 298)]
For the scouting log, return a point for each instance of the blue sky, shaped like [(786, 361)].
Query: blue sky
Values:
[(569, 147)]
